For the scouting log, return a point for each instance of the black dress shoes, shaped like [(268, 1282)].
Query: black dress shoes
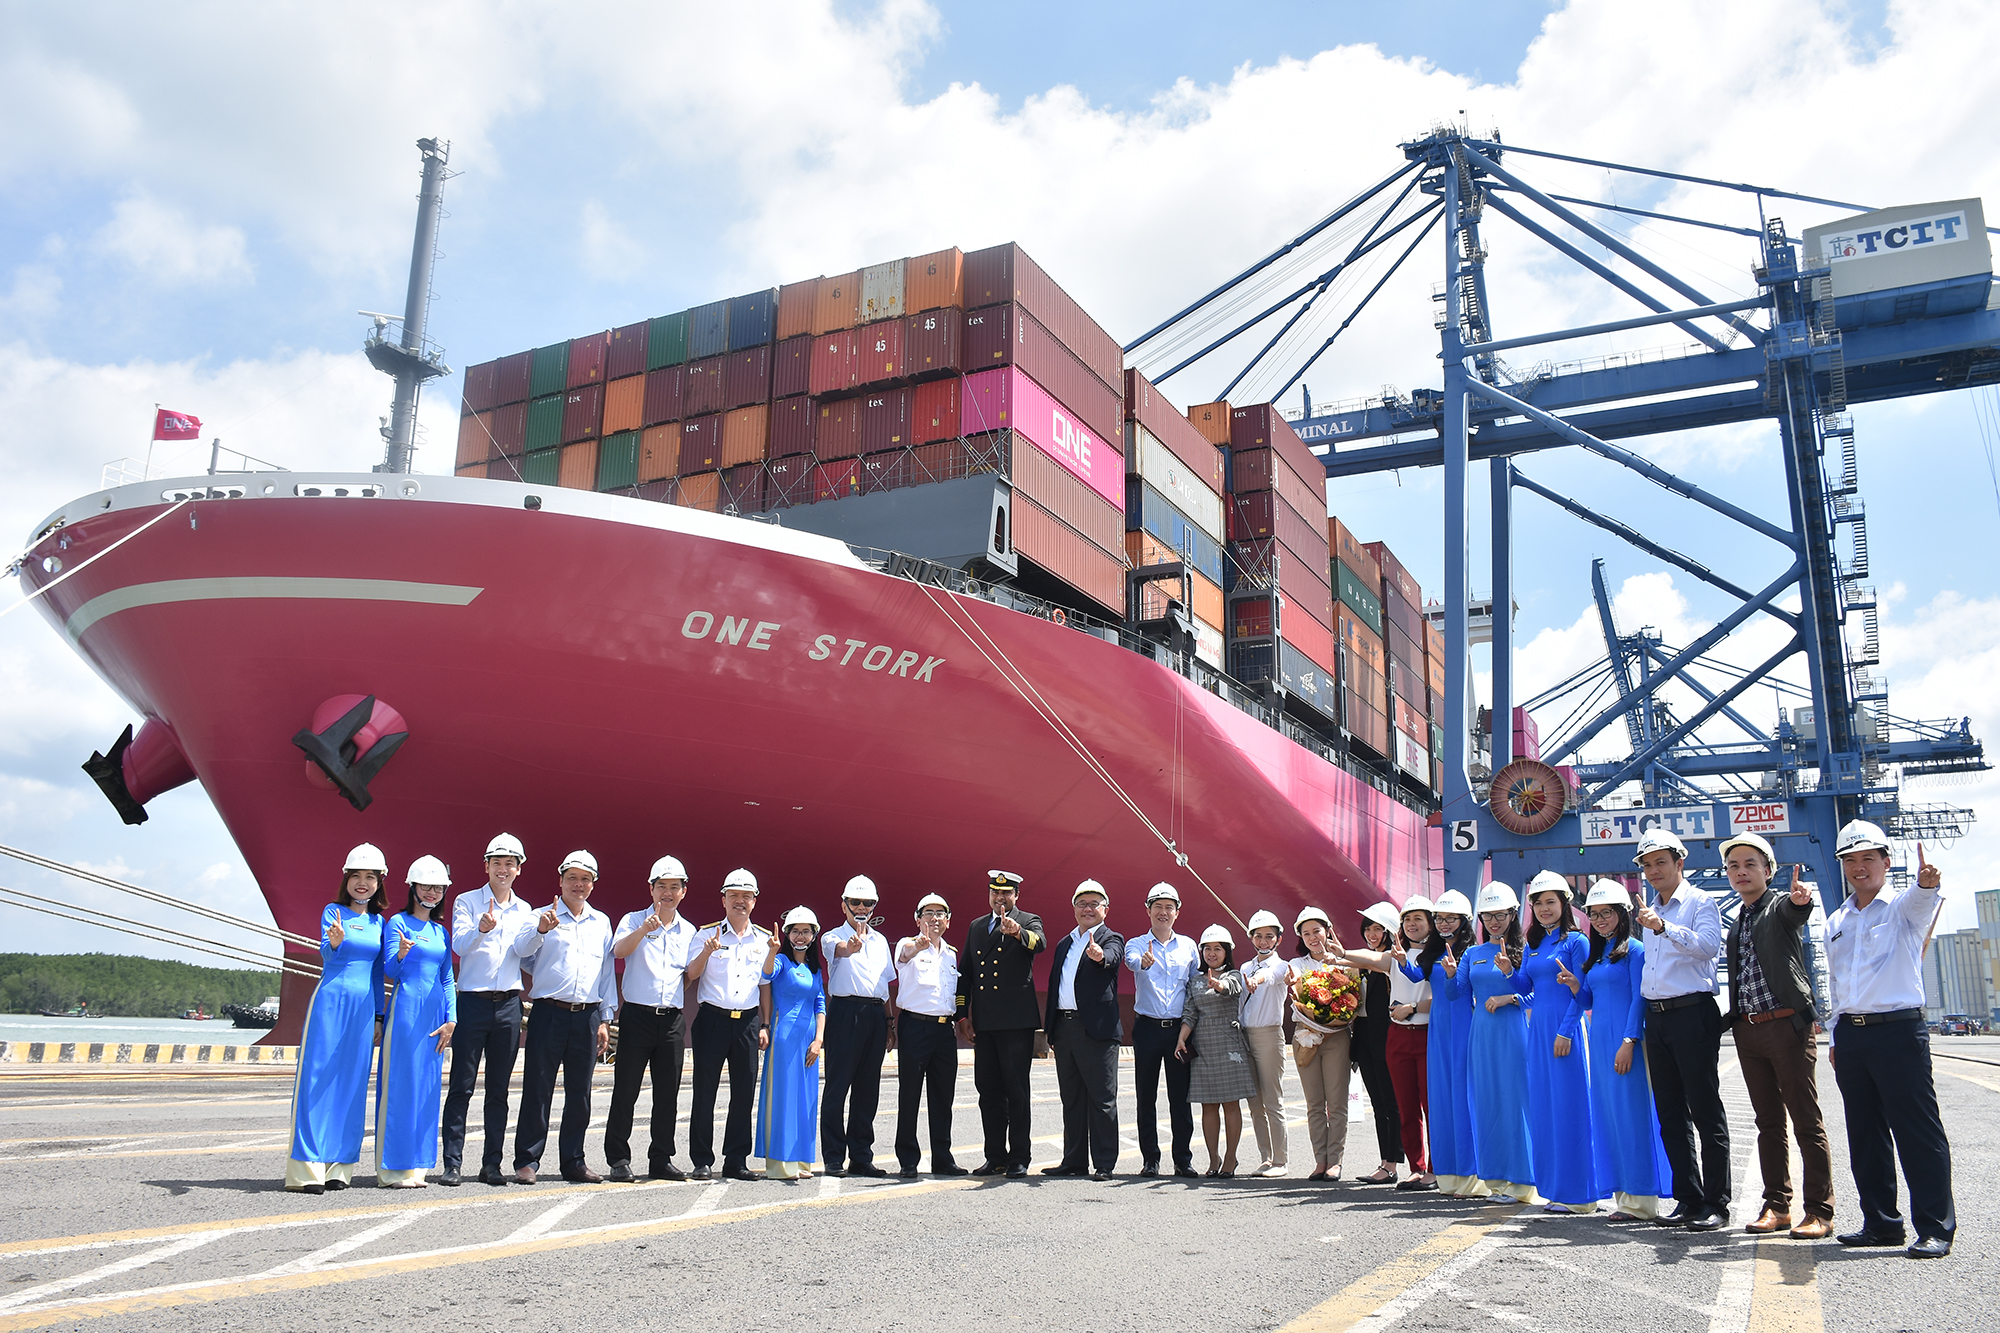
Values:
[(1708, 1219), (837, 1172), (871, 1170), (1679, 1217), (333, 1185), (1930, 1247), (741, 1173), (949, 1169), (1186, 1171), (909, 1173), (314, 1188), (701, 1173), (491, 1175), (668, 1171), (583, 1175), (1017, 1172), (620, 1173), (1100, 1175), (1150, 1169), (1871, 1240), (450, 1178), (989, 1169), (1060, 1170)]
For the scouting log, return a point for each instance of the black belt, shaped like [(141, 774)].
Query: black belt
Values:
[(494, 995), (733, 1013), (661, 1009), (1163, 1022), (1066, 1013), (861, 999), (1681, 1001), (1893, 1016), (926, 1018), (565, 1004)]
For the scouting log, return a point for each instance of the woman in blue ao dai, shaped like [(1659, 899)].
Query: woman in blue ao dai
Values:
[(794, 1004), (1551, 978), (1496, 1051), (1453, 1159), (423, 1010), (330, 1094), (1631, 1161)]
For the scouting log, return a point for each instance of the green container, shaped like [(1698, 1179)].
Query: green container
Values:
[(618, 461), (667, 341), (1349, 586), (551, 370), (540, 467), (545, 418)]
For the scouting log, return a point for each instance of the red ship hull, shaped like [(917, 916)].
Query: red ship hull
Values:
[(641, 680)]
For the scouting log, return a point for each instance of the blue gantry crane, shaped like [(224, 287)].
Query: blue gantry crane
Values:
[(1879, 306)]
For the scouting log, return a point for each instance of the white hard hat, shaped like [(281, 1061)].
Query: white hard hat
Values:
[(1416, 902), (1548, 881), (800, 916), (428, 870), (507, 845), (1858, 835), (1748, 840), (1311, 914), (1608, 893), (1260, 920), (1091, 886), (931, 900), (667, 868), (367, 857), (1454, 902), (861, 887), (1218, 934), (578, 861), (1498, 897), (1660, 840), (739, 879), (1159, 891), (1384, 915)]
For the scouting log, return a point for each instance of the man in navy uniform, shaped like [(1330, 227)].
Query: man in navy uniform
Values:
[(996, 993), (1084, 1028)]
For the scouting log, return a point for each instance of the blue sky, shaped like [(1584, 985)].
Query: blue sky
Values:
[(193, 205)]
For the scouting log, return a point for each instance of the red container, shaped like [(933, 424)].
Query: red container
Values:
[(628, 352), (1010, 336), (933, 343), (1266, 470), (1365, 722), (1404, 650), (512, 379), (792, 425), (791, 367), (746, 434), (1250, 618), (743, 488), (509, 425), (837, 428), (1150, 408), (832, 481), (586, 359), (835, 365), (482, 383), (1263, 514), (885, 420), (583, 413), (1309, 637), (885, 471), (1058, 549), (1058, 490), (795, 308), (788, 481), (1262, 427), (702, 391), (934, 411), (1394, 576), (947, 460), (701, 444), (624, 404), (746, 377), (665, 394), (879, 352), (1304, 590), (1005, 273)]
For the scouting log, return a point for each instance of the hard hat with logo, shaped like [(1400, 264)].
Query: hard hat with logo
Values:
[(506, 845), (1660, 840), (668, 867), (1091, 886), (367, 857), (1748, 840), (578, 861), (800, 916), (1163, 890), (739, 879), (931, 900), (428, 870), (1548, 881), (1607, 893), (1416, 902), (1218, 934), (863, 888), (1311, 914), (1263, 920), (1858, 835), (1498, 897), (1452, 902), (1384, 915)]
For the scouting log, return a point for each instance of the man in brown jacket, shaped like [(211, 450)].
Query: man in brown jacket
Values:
[(1772, 1017)]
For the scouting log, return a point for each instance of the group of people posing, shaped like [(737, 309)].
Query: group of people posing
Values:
[(1470, 1033)]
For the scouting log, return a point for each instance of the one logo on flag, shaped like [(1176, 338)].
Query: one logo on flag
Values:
[(169, 425)]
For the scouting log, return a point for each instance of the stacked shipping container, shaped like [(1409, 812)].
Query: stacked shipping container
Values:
[(1391, 670), (1173, 514)]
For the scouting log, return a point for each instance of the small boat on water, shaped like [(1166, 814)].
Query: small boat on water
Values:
[(80, 1011), (196, 1015), (263, 1016)]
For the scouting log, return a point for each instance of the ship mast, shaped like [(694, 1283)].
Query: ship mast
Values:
[(414, 359)]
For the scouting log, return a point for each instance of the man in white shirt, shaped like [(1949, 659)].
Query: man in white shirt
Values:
[(655, 943), (1683, 935), (485, 923), (858, 1010), (727, 969), (927, 1002), (1881, 1051), (1266, 983), (1084, 1027), (1161, 963), (575, 996)]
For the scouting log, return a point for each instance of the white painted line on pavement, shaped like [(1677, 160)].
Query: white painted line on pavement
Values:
[(543, 1223), (708, 1199), (306, 1263), (126, 1265)]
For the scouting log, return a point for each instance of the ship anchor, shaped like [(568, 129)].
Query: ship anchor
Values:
[(356, 736)]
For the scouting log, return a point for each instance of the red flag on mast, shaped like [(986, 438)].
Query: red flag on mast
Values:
[(168, 425)]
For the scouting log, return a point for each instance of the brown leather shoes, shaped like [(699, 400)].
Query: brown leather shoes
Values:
[(1768, 1221), (525, 1176), (1813, 1228)]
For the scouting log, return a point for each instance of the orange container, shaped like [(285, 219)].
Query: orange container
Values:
[(837, 303), (1212, 420), (746, 433), (660, 452), (701, 490), (474, 431), (795, 308), (624, 404), (1143, 549), (935, 280), (1350, 552), (577, 469)]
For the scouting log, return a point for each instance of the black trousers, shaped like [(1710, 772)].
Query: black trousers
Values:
[(721, 1040), (926, 1061), (565, 1039), (492, 1029), (1087, 1078), (1884, 1073), (857, 1040), (1000, 1062), (1370, 1056), (1153, 1047), (646, 1040), (1683, 1049)]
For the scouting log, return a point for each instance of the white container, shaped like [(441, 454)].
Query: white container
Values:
[(1146, 457), (1207, 642), (882, 291)]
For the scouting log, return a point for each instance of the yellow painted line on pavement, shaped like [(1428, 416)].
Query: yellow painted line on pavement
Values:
[(1369, 1293), (1784, 1294), (1989, 1084)]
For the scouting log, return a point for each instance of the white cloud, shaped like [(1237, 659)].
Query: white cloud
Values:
[(35, 296), (608, 249), (165, 246)]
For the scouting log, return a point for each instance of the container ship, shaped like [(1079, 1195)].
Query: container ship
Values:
[(898, 572)]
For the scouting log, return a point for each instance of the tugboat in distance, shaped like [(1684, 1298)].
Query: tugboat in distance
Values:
[(264, 1016)]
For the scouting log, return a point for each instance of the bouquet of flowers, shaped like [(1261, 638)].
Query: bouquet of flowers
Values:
[(1324, 1000)]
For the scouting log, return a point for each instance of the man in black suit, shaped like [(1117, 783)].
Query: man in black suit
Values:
[(996, 993), (1084, 1027)]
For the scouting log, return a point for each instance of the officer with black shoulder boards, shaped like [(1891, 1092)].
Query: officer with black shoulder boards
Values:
[(858, 1010), (927, 1001), (728, 963), (996, 996)]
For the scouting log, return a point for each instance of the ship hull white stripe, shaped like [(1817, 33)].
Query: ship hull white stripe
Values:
[(237, 589)]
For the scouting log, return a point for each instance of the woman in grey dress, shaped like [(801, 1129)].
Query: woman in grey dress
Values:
[(1222, 1077)]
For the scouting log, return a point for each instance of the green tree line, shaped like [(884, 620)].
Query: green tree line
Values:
[(122, 986)]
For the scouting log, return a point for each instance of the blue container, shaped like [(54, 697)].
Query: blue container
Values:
[(753, 320), (1149, 511), (708, 330), (1307, 681), (1253, 662)]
